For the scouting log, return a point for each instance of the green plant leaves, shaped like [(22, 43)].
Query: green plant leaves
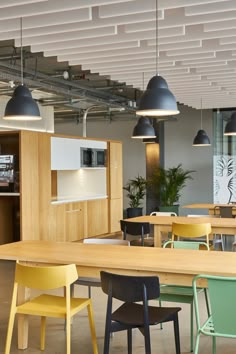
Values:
[(168, 183), (136, 189)]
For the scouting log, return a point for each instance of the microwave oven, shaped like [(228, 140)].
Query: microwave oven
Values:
[(91, 157)]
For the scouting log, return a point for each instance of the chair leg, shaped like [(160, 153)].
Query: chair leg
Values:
[(92, 328), (197, 343), (89, 292), (191, 327), (222, 243), (161, 325), (176, 332), (129, 340), (213, 345), (107, 340), (207, 302), (42, 334), (147, 339), (68, 335), (72, 290), (9, 333)]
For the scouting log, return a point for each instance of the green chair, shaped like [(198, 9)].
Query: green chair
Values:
[(184, 294), (221, 320)]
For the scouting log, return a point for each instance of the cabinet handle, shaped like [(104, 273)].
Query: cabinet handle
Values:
[(73, 211)]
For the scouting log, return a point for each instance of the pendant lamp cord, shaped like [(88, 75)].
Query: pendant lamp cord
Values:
[(201, 113), (21, 52), (156, 37)]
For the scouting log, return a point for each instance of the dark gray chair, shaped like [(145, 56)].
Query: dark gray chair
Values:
[(130, 290), (139, 230), (96, 282)]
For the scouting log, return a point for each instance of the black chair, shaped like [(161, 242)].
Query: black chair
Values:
[(227, 212), (132, 289), (139, 229)]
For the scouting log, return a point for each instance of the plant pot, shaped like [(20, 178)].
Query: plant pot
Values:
[(171, 208), (133, 212)]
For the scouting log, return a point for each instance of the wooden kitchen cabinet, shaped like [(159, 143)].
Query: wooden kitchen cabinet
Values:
[(115, 190), (76, 221), (37, 211), (97, 217), (116, 170)]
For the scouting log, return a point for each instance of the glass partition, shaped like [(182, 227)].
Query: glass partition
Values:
[(224, 160)]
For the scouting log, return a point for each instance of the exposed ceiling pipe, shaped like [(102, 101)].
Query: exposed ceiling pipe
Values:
[(68, 88), (85, 119)]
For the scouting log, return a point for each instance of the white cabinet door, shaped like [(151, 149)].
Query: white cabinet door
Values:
[(93, 144), (65, 154)]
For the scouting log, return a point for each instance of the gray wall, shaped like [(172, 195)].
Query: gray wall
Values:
[(178, 149), (179, 137)]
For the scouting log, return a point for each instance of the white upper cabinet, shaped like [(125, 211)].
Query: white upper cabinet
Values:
[(93, 144), (65, 154)]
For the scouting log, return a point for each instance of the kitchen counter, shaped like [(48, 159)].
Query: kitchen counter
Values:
[(79, 198)]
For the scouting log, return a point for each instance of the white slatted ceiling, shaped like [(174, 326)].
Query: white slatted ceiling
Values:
[(196, 41)]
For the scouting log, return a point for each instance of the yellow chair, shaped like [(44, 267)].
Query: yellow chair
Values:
[(217, 239), (198, 232), (47, 278)]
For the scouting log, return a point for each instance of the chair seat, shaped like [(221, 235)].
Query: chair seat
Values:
[(132, 314), (88, 281), (51, 306), (177, 293)]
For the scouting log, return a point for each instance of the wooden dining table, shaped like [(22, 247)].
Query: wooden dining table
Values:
[(226, 226), (171, 265), (213, 209)]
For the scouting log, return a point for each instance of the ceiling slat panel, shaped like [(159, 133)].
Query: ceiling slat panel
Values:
[(117, 39), (66, 17), (60, 37), (94, 48)]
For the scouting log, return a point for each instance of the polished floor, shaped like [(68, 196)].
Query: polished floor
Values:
[(162, 340)]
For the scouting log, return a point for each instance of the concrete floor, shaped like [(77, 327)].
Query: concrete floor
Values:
[(162, 340)]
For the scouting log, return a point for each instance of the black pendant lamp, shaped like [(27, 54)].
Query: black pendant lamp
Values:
[(22, 107), (201, 139), (230, 128), (157, 100), (143, 129)]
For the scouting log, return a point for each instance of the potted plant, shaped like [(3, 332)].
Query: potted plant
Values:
[(167, 185), (136, 189)]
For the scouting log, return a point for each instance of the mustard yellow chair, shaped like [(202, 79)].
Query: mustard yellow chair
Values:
[(47, 278), (193, 231)]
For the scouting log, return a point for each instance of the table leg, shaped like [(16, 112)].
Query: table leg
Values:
[(157, 236), (23, 324)]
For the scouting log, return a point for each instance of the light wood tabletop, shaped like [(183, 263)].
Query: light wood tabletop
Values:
[(226, 226), (206, 205), (213, 209), (171, 265)]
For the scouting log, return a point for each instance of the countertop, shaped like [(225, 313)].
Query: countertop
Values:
[(78, 198)]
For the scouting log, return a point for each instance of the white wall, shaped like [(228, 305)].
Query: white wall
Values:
[(179, 136)]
